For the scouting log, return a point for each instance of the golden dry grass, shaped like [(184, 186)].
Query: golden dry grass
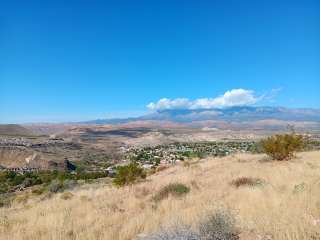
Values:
[(286, 206)]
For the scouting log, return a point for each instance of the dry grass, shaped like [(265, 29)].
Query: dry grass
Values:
[(286, 207)]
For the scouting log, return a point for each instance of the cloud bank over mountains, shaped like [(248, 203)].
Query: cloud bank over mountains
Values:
[(232, 98)]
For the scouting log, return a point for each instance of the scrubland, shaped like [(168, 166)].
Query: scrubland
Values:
[(268, 199)]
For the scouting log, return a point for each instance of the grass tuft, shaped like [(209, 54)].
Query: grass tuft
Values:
[(66, 195), (172, 189), (246, 181)]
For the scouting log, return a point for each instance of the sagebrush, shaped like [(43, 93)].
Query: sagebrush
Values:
[(282, 146), (219, 225)]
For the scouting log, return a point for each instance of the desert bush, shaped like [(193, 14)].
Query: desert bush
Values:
[(59, 185), (5, 201), (9, 180), (173, 189), (31, 181), (69, 184), (38, 190), (128, 174), (218, 226), (66, 195), (177, 232), (151, 171), (246, 181), (55, 186), (282, 146)]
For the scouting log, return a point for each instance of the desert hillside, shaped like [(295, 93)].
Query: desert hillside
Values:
[(14, 130), (281, 200)]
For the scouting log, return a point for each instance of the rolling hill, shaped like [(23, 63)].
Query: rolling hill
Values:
[(14, 130)]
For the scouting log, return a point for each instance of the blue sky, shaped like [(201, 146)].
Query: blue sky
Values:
[(79, 60)]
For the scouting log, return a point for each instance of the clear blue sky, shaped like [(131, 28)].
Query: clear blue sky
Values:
[(79, 60)]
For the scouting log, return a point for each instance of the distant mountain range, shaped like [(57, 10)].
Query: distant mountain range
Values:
[(233, 114), (234, 118)]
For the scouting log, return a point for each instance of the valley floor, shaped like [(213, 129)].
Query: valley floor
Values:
[(285, 206)]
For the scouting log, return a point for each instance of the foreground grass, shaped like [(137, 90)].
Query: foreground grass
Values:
[(285, 206)]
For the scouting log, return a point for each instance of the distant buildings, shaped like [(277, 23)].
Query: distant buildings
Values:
[(171, 153)]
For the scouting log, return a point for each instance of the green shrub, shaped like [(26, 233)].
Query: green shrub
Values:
[(10, 181), (282, 146), (202, 155), (55, 186), (4, 188), (128, 174), (31, 181), (38, 190), (256, 148), (173, 189), (69, 184), (5, 201)]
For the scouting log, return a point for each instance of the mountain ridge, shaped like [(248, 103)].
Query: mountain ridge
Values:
[(231, 114)]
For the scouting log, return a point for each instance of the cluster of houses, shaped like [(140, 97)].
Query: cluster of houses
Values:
[(4, 141), (172, 153), (20, 141), (20, 170)]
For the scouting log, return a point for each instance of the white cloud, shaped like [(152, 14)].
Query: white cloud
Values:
[(234, 97), (165, 103)]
